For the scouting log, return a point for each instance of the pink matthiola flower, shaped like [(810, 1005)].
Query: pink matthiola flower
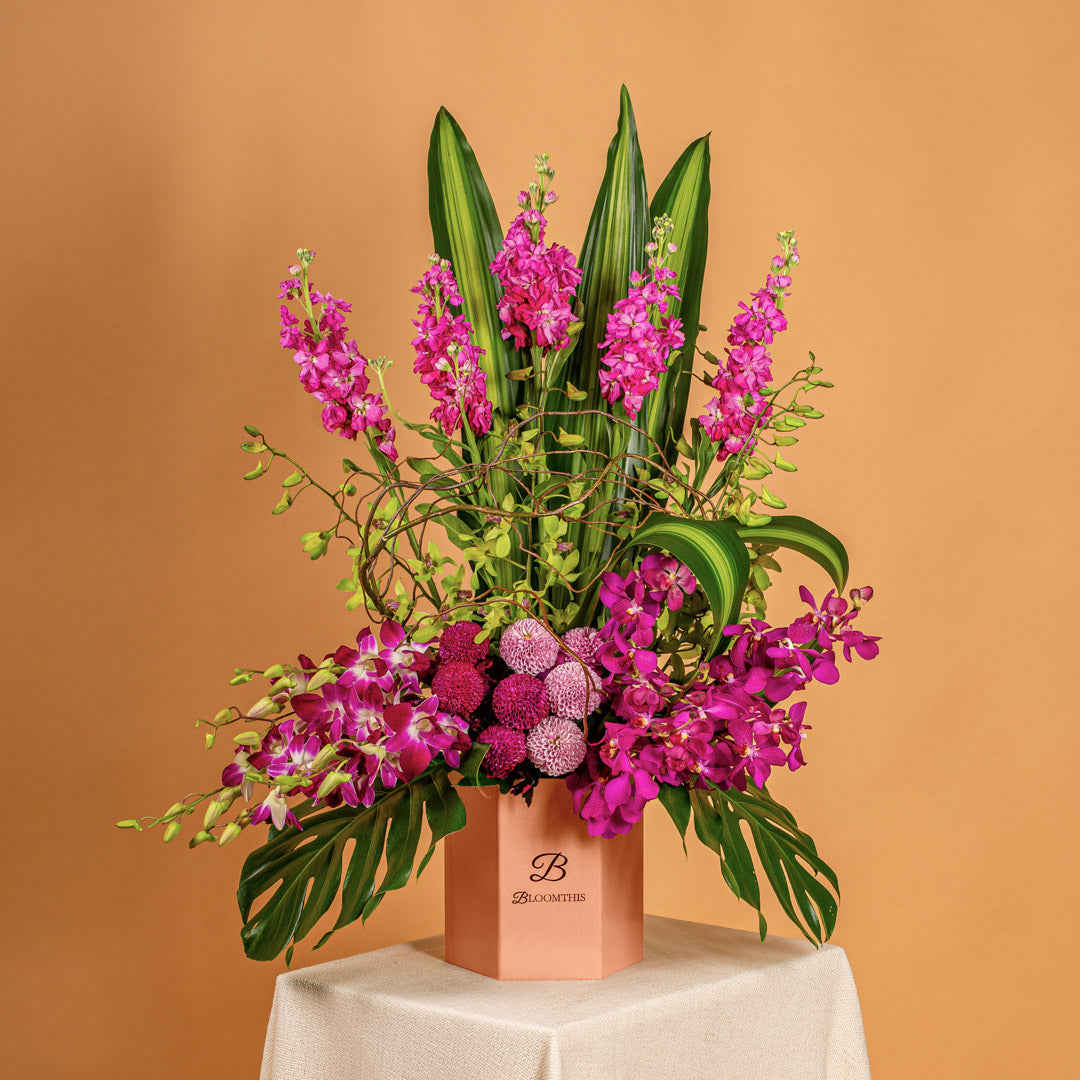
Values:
[(538, 285), (447, 360), (332, 369), (734, 416), (639, 341)]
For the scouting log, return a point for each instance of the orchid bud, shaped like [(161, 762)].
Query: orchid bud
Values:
[(326, 755), (331, 783), (265, 706), (229, 834)]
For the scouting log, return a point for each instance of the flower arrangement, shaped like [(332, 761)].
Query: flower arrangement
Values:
[(603, 617)]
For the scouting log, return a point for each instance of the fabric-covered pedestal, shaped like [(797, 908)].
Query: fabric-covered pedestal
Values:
[(705, 1001)]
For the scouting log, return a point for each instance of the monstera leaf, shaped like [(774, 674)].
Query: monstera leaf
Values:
[(803, 883), (299, 872)]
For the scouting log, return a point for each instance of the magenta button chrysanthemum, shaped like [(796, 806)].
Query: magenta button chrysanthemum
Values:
[(573, 690), (528, 647), (459, 687), (520, 701), (507, 750), (457, 643), (556, 746)]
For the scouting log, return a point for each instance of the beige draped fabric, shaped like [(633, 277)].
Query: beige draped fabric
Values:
[(705, 1002)]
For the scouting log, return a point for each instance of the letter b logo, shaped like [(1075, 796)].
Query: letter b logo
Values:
[(552, 866)]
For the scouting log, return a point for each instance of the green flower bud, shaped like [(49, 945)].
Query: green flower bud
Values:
[(229, 834)]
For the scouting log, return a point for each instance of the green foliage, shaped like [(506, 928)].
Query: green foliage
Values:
[(684, 197), (298, 873), (715, 555), (807, 538), (804, 884), (614, 246), (465, 229)]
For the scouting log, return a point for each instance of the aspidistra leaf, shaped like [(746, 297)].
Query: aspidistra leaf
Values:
[(466, 230), (804, 536), (684, 197), (614, 246), (714, 553)]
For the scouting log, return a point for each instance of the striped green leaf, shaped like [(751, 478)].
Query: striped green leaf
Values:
[(799, 534), (614, 245), (715, 555), (684, 197), (466, 230)]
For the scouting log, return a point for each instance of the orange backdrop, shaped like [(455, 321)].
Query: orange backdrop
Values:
[(160, 164)]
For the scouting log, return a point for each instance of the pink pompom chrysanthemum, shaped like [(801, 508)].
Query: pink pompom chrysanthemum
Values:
[(457, 643), (507, 751), (528, 647), (573, 690), (584, 640), (520, 701), (459, 687), (556, 746)]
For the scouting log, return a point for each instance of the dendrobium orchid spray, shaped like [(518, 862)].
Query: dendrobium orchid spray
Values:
[(602, 618)]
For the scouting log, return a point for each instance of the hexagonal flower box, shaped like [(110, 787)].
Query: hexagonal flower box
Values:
[(530, 895)]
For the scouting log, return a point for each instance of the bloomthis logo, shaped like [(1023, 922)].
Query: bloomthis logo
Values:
[(552, 866), (549, 866)]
